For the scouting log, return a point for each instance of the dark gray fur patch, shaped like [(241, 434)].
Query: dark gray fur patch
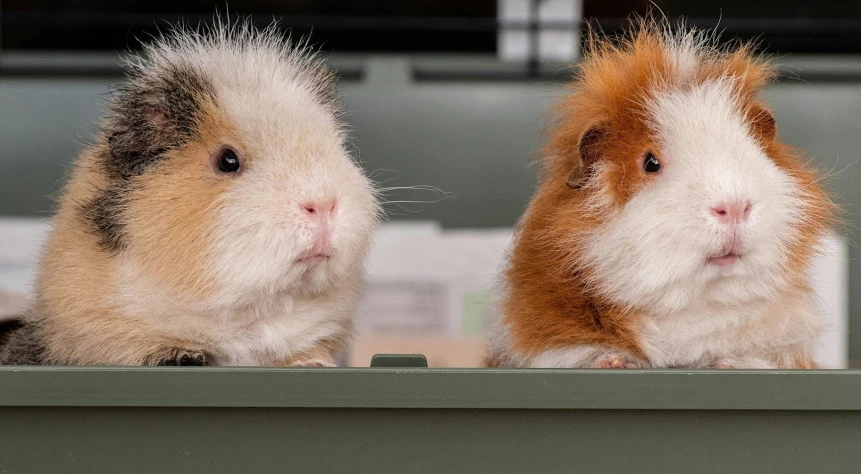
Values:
[(148, 118), (104, 213), (136, 141), (19, 344), (7, 328), (181, 357)]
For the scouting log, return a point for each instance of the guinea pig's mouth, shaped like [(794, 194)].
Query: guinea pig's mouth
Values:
[(314, 259), (729, 254), (724, 260)]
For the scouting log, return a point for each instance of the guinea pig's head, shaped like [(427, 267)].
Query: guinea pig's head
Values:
[(668, 183), (227, 172)]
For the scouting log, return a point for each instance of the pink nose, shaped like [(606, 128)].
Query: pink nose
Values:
[(319, 210), (732, 212)]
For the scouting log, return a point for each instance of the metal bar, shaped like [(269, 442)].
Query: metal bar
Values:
[(108, 69), (787, 26), (533, 63), (561, 74)]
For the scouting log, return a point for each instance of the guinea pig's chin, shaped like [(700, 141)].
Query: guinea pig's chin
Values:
[(662, 282), (748, 280), (300, 273), (317, 278)]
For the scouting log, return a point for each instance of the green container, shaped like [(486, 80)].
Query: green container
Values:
[(238, 420)]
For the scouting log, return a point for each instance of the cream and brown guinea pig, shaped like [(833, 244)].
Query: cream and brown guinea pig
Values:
[(671, 227), (218, 219)]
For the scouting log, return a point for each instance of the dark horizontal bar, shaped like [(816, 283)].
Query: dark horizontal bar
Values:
[(442, 75), (756, 26), (61, 71), (523, 74), (784, 26), (110, 71), (290, 21), (419, 73), (431, 388)]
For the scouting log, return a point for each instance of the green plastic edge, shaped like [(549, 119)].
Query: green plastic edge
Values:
[(430, 388)]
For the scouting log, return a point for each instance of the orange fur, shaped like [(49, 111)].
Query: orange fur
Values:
[(181, 191)]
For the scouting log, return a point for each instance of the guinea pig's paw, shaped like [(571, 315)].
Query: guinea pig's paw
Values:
[(313, 363), (183, 357), (616, 360)]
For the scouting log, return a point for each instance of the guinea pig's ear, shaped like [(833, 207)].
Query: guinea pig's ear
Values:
[(589, 155), (762, 123), (155, 116), (138, 132)]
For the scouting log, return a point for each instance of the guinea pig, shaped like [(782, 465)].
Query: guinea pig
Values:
[(671, 227), (217, 219)]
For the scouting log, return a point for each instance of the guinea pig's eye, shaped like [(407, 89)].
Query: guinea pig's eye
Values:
[(651, 164), (228, 162)]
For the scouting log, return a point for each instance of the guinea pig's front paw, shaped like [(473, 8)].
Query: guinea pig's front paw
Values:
[(313, 363), (183, 357), (616, 360)]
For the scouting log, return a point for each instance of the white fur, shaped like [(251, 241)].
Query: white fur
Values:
[(267, 306), (763, 334), (684, 47), (652, 255), (588, 356)]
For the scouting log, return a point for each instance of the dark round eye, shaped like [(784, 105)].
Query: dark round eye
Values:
[(228, 162), (651, 164)]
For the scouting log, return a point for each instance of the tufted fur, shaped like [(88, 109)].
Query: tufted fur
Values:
[(157, 258), (610, 265)]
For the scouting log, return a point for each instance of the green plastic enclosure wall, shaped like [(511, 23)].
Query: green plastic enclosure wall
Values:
[(237, 420)]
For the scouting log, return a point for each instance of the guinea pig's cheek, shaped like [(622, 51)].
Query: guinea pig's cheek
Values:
[(171, 224), (773, 223), (239, 255), (357, 219), (639, 256)]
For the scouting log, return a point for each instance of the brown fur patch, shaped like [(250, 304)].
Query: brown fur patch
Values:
[(818, 210), (172, 208)]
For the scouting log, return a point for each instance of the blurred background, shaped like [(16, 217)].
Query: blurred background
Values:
[(445, 93)]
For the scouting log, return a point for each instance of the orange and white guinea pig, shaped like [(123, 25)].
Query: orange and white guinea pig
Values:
[(671, 227), (218, 219)]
